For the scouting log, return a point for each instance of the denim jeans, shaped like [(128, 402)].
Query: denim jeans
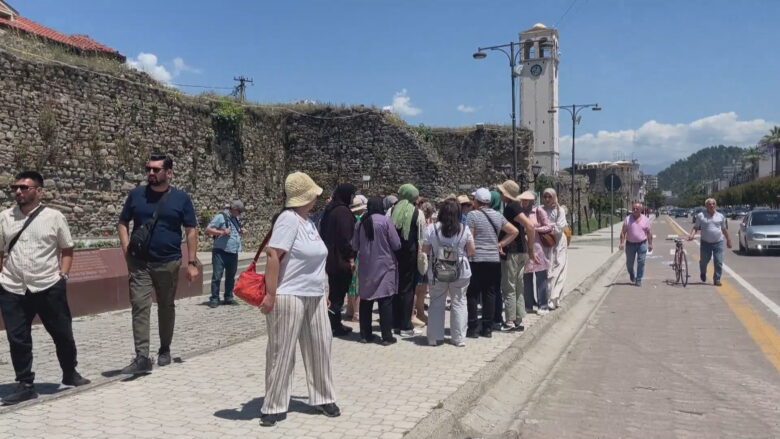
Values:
[(638, 251), (541, 289), (225, 263), (711, 250)]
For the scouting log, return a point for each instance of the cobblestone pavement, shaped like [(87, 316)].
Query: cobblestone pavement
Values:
[(383, 391)]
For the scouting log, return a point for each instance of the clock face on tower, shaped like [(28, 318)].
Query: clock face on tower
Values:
[(536, 70)]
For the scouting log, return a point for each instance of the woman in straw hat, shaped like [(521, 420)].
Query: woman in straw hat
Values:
[(558, 254), (536, 269), (295, 305), (516, 254)]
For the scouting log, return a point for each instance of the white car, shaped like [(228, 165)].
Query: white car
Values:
[(759, 231)]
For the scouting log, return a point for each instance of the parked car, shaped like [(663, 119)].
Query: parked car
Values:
[(759, 231), (696, 211), (680, 213), (739, 213)]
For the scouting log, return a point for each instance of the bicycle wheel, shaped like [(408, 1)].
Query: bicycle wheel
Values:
[(684, 269), (677, 269)]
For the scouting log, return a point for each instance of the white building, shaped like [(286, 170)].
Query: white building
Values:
[(539, 93)]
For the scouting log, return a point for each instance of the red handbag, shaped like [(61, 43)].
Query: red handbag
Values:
[(250, 286)]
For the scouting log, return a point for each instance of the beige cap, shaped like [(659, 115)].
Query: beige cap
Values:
[(300, 190), (527, 195), (463, 199)]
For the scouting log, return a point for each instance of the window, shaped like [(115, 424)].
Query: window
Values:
[(765, 219)]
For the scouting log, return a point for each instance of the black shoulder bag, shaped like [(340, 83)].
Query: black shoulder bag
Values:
[(26, 223), (142, 235)]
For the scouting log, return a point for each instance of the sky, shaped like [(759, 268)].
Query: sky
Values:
[(672, 76)]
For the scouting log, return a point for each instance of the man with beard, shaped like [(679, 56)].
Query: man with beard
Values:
[(32, 282), (163, 210)]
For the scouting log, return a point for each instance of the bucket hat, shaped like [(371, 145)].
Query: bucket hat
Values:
[(300, 190)]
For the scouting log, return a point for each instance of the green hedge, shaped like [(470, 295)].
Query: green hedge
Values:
[(757, 192)]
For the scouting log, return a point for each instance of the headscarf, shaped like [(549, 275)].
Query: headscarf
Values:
[(495, 200), (403, 211), (375, 206), (389, 202), (553, 194), (342, 196)]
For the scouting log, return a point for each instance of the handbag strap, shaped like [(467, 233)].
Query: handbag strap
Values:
[(26, 223), (262, 246), (490, 221)]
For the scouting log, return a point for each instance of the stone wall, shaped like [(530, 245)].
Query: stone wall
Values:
[(90, 134)]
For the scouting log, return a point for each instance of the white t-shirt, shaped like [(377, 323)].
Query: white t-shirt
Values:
[(302, 270), (436, 241)]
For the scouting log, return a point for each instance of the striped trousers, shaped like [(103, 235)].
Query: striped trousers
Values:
[(293, 320)]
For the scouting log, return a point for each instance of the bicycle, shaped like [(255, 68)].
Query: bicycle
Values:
[(680, 263)]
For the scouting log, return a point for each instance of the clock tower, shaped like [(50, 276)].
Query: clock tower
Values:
[(539, 93)]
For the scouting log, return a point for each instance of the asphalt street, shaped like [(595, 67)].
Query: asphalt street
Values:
[(663, 360)]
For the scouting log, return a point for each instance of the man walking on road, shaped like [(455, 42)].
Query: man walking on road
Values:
[(153, 253), (637, 238), (226, 229), (713, 228), (33, 281)]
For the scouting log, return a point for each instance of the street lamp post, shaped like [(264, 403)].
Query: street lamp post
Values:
[(573, 111), (514, 55)]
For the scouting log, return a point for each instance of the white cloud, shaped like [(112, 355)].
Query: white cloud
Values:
[(656, 145), (402, 104), (466, 108), (149, 63)]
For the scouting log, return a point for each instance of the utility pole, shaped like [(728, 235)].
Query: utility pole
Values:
[(239, 90)]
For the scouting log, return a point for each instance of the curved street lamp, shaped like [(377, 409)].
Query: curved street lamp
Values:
[(574, 111), (514, 56)]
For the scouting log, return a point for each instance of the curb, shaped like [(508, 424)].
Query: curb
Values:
[(447, 414)]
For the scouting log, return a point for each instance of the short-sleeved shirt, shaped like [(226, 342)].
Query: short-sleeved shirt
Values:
[(511, 211), (637, 230), (33, 263), (711, 226), (177, 212), (228, 243), (437, 240), (302, 270), (485, 233)]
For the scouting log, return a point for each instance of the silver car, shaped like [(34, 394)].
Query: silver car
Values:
[(759, 231)]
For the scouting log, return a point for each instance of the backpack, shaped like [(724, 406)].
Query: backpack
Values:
[(227, 223), (446, 261)]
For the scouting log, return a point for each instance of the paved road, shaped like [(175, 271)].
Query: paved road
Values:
[(666, 361)]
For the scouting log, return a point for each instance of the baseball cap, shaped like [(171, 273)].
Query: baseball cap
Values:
[(482, 195)]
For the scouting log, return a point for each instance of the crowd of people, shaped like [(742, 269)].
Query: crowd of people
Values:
[(495, 255)]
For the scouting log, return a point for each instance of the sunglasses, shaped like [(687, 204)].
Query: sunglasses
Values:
[(21, 187), (155, 169)]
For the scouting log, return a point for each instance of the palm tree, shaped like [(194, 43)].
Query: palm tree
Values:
[(773, 140), (752, 155)]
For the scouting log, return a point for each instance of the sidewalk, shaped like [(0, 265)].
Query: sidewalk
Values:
[(383, 391)]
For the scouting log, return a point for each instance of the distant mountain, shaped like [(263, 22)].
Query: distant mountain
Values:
[(705, 164)]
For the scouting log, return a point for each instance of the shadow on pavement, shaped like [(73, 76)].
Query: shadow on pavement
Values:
[(41, 388), (251, 409)]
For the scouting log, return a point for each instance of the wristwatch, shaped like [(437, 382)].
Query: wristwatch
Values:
[(193, 263), (65, 276)]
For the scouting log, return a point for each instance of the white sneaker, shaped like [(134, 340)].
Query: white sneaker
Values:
[(411, 332), (460, 344), (552, 306), (508, 326), (542, 311)]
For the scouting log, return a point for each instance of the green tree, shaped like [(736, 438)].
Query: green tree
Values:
[(655, 198), (773, 140), (753, 155)]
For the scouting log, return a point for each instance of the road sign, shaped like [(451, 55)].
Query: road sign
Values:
[(612, 183)]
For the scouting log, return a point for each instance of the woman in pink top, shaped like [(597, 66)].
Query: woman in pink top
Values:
[(536, 268)]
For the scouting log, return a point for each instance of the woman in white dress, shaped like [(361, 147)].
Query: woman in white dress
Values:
[(557, 255)]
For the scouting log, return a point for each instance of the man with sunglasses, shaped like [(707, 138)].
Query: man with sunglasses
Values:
[(159, 270), (32, 282)]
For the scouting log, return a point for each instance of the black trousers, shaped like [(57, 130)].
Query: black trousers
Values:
[(403, 302), (483, 288), (338, 285), (385, 317), (51, 305)]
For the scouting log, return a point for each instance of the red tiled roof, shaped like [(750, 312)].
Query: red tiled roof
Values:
[(83, 42)]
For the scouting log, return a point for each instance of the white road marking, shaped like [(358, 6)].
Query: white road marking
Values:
[(775, 308)]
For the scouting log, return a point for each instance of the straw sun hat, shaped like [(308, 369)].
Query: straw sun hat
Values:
[(300, 190), (509, 189)]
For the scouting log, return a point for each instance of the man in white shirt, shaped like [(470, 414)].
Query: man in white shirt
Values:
[(714, 230), (32, 282)]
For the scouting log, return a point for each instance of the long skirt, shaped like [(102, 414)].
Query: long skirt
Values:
[(556, 275)]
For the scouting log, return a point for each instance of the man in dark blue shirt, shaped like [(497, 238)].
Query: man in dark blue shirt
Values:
[(159, 270)]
